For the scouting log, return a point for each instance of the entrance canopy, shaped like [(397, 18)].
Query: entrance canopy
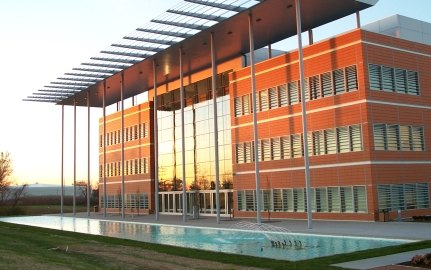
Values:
[(187, 26)]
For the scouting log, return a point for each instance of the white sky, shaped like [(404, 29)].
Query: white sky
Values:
[(41, 40)]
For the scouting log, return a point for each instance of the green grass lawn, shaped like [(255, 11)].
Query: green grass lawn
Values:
[(24, 247)]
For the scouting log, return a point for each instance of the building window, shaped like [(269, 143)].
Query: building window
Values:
[(249, 152), (297, 148), (144, 165), (314, 86), (380, 136), (273, 98), (135, 132), (263, 100), (395, 197), (412, 83), (292, 89), (393, 137), (266, 149), (275, 149), (318, 143), (239, 153), (333, 199), (238, 106), (346, 199), (343, 144), (286, 150), (330, 142), (283, 95), (393, 79), (351, 78), (299, 202), (250, 200), (351, 199), (375, 75), (338, 80), (320, 203), (388, 79), (323, 142), (326, 81)]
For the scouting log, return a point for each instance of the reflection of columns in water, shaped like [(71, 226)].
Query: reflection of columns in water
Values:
[(304, 112), (255, 133), (156, 146), (74, 224), (195, 168), (122, 145), (174, 150), (183, 157), (88, 154), (62, 161), (74, 157), (104, 149), (216, 150)]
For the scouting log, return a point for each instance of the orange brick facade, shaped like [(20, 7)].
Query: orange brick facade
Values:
[(355, 171)]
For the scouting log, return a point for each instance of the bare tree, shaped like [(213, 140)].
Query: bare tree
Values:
[(5, 171), (17, 193), (9, 193)]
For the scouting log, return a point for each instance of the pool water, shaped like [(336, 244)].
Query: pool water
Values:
[(275, 245)]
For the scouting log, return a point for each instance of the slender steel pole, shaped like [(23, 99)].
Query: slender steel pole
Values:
[(104, 150), (269, 51), (255, 133), (304, 113), (62, 161), (74, 156), (358, 19), (216, 151), (122, 145), (88, 154), (156, 146), (310, 37), (183, 141)]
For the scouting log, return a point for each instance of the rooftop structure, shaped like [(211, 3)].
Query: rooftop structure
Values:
[(188, 26)]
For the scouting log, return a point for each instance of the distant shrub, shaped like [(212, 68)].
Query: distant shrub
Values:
[(11, 211)]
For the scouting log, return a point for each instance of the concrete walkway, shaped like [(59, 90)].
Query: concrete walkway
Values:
[(383, 260)]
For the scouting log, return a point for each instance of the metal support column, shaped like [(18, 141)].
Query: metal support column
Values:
[(216, 151), (304, 112), (74, 156), (255, 133), (310, 37), (122, 145), (183, 141), (62, 160), (104, 149), (88, 154), (269, 51), (156, 146), (358, 19)]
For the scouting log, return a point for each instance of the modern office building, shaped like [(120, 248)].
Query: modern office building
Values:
[(363, 147)]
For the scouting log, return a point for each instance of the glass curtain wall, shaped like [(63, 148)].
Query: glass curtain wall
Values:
[(199, 147)]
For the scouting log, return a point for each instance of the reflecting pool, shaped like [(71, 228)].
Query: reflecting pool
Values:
[(276, 245)]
